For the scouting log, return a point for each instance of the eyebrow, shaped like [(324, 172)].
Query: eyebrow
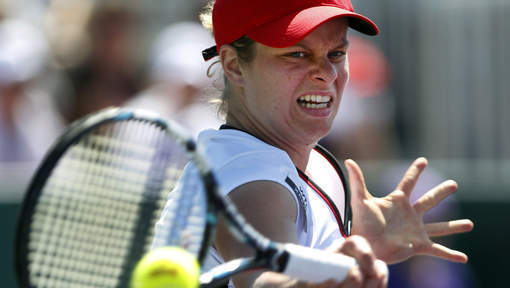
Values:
[(344, 43)]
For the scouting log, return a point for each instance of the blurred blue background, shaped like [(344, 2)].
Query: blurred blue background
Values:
[(434, 83)]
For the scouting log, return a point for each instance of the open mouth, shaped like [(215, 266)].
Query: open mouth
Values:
[(314, 101)]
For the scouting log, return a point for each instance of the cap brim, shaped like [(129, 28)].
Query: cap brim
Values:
[(289, 30)]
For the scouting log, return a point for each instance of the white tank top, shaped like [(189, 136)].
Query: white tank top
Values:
[(238, 158)]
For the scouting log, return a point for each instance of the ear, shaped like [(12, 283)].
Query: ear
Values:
[(231, 65)]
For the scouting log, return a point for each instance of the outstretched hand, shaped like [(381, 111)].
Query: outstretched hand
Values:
[(393, 226)]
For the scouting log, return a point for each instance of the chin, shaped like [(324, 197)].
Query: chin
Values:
[(317, 132)]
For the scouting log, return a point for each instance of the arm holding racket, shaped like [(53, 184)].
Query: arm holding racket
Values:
[(317, 266), (300, 263)]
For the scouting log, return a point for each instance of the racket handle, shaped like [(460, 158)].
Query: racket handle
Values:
[(313, 265)]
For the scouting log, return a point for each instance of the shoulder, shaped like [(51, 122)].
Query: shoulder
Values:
[(254, 172), (238, 158), (228, 144), (269, 207)]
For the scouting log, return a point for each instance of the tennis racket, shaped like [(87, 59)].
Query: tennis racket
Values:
[(89, 212)]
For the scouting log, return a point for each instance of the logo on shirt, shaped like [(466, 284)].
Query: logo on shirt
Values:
[(300, 193)]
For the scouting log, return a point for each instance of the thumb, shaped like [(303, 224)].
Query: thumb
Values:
[(356, 180)]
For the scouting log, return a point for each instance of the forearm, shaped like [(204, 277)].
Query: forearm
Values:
[(276, 280), (266, 280)]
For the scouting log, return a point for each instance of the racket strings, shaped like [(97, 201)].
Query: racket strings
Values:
[(85, 222), (184, 216)]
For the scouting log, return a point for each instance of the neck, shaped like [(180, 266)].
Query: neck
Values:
[(298, 152)]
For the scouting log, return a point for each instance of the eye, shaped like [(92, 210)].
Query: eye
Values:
[(337, 55), (297, 54)]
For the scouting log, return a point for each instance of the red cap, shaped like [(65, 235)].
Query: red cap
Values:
[(280, 23)]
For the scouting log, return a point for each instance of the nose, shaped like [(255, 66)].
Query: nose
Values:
[(324, 71)]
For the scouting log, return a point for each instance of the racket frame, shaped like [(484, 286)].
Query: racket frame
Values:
[(71, 136)]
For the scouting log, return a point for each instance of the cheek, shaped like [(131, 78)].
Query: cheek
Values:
[(346, 69), (277, 87), (343, 78), (262, 95)]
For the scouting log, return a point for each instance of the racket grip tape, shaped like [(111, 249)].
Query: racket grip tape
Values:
[(316, 266)]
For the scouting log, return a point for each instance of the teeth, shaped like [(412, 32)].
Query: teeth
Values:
[(315, 98), (313, 105)]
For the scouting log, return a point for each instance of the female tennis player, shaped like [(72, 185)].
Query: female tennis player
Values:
[(285, 67)]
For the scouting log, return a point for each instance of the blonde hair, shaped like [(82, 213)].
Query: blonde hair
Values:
[(206, 15), (245, 51)]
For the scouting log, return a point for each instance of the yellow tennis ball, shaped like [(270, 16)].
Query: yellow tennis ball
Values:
[(166, 267)]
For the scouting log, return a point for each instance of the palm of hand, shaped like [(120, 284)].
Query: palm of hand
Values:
[(393, 226)]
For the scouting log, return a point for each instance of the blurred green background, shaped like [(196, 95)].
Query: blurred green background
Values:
[(434, 83)]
